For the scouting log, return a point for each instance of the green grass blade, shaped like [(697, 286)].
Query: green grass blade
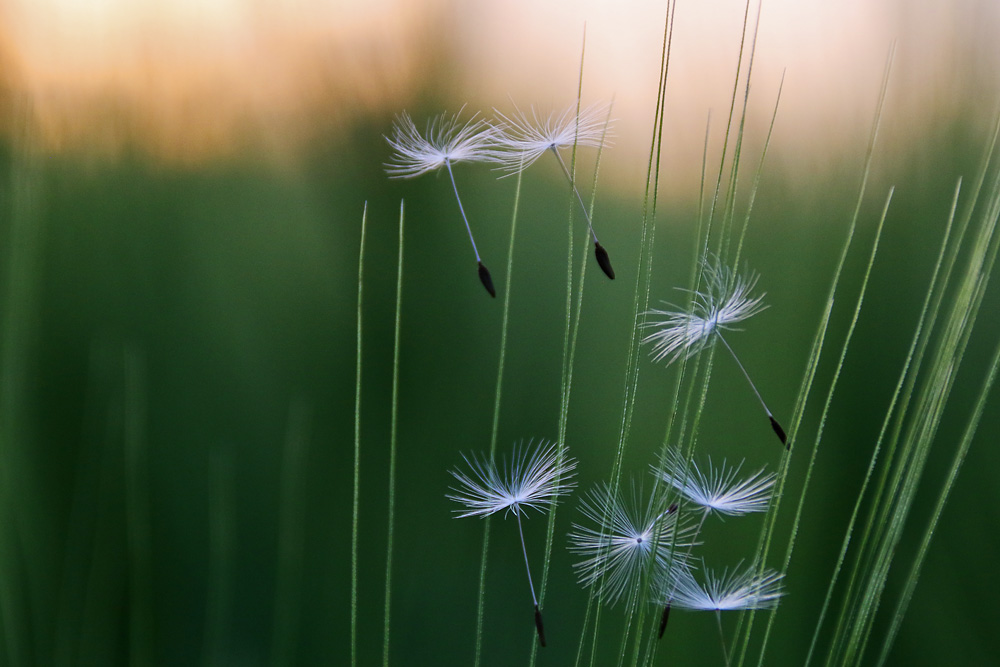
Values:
[(878, 443), (357, 449), (757, 174), (481, 603), (826, 410), (928, 415), (729, 128), (956, 466), (809, 376), (393, 430), (640, 304), (878, 512)]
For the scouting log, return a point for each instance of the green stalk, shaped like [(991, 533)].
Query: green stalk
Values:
[(878, 444), (812, 363), (357, 451), (880, 511), (496, 419), (730, 211), (640, 304), (956, 466), (757, 175), (729, 128), (570, 331), (392, 447), (930, 406), (826, 409)]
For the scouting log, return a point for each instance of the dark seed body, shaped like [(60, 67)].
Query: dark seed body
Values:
[(487, 280), (663, 621), (603, 260), (539, 627), (780, 431)]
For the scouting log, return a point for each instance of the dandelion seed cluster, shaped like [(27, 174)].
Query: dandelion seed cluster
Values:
[(628, 545), (513, 142)]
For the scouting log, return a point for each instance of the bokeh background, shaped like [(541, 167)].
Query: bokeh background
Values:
[(180, 210)]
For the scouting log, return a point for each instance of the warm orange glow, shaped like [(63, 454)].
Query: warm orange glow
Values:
[(193, 79)]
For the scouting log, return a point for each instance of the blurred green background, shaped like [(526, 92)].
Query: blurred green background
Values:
[(178, 350)]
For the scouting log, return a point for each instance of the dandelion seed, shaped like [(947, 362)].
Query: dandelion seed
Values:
[(724, 301), (532, 481), (716, 489), (447, 141), (629, 541), (729, 591), (522, 139)]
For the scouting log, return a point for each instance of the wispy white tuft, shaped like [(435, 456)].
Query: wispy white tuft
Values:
[(446, 140), (528, 481), (716, 489), (627, 540), (723, 301), (523, 137), (731, 590)]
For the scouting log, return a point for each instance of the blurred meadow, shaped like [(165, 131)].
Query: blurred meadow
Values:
[(182, 187)]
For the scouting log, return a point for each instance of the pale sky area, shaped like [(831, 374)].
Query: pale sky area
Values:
[(195, 79)]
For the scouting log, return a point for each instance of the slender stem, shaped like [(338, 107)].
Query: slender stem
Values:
[(496, 421), (392, 447), (722, 637), (524, 550), (357, 454), (745, 374), (694, 538), (569, 177), (461, 209)]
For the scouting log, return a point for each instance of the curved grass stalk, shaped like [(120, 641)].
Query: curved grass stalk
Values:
[(729, 128), (393, 431), (921, 320), (640, 304), (930, 406), (878, 515), (959, 459), (357, 450), (481, 601), (805, 389), (571, 332), (757, 174), (826, 408), (730, 210)]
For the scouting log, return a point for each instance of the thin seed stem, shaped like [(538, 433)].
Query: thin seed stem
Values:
[(461, 209), (524, 550), (722, 637), (357, 451), (745, 374), (496, 420), (392, 447), (583, 207)]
